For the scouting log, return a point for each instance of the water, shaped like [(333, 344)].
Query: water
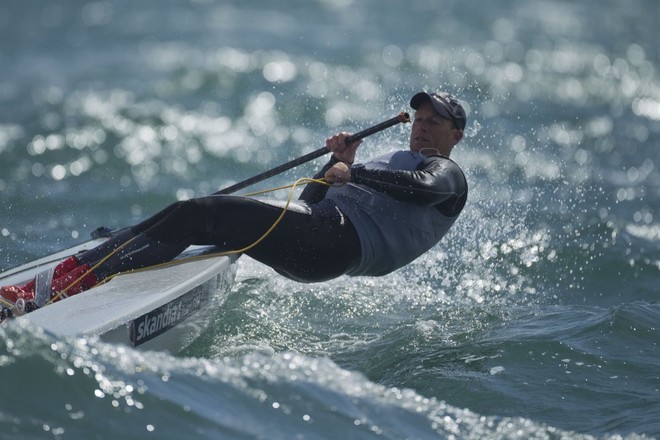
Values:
[(536, 317)]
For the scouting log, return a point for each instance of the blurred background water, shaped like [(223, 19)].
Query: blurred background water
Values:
[(536, 317)]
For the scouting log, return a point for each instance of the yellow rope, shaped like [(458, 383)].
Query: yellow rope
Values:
[(301, 181)]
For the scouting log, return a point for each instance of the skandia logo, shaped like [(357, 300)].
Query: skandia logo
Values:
[(160, 320), (153, 325)]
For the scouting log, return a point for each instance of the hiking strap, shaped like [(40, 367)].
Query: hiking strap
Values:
[(42, 288)]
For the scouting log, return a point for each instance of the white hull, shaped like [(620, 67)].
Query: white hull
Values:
[(158, 309)]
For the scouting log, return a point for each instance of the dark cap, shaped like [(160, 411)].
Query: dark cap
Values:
[(445, 104)]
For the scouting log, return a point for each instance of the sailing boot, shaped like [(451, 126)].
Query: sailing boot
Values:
[(61, 269), (74, 282), (13, 293), (26, 291)]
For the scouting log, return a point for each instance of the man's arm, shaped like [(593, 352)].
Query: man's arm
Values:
[(437, 180), (342, 154), (314, 192)]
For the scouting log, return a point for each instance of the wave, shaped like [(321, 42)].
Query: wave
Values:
[(88, 389)]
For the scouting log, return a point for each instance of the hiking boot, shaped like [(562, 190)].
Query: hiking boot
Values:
[(12, 293), (26, 291), (65, 276), (74, 282)]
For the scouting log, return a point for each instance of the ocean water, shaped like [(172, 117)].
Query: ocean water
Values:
[(536, 317)]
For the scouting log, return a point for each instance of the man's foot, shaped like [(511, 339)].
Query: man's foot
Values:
[(26, 291), (12, 293), (65, 277), (74, 282)]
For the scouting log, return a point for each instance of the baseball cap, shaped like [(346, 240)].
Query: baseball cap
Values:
[(445, 104)]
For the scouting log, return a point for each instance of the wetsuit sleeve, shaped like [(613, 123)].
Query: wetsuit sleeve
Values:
[(315, 192), (436, 181)]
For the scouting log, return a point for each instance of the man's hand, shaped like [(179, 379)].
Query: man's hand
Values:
[(338, 173), (342, 152)]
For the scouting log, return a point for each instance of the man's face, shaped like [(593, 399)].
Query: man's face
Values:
[(432, 131)]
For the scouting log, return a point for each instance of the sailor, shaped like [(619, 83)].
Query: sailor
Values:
[(377, 216)]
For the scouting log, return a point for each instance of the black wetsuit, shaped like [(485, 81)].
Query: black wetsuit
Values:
[(313, 242)]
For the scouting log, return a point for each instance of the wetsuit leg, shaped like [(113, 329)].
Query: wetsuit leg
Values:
[(311, 243), (104, 249), (140, 251), (99, 252), (138, 248)]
